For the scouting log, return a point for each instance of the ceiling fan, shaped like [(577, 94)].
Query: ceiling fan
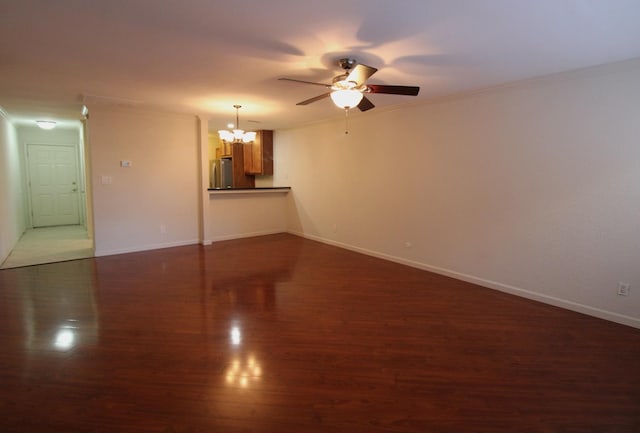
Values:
[(348, 89)]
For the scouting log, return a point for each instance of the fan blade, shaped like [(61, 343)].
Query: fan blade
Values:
[(305, 82), (393, 90), (360, 74), (365, 104), (317, 98)]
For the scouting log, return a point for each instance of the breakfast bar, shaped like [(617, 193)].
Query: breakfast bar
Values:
[(234, 213)]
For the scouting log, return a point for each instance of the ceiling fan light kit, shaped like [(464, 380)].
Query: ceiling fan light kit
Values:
[(346, 98), (237, 134)]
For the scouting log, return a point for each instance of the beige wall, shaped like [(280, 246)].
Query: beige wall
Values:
[(12, 215), (153, 203), (532, 189)]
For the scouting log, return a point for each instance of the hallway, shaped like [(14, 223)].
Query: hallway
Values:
[(50, 244)]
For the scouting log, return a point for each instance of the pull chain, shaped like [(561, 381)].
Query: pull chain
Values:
[(346, 120)]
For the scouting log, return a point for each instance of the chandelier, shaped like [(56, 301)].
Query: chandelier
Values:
[(236, 135)]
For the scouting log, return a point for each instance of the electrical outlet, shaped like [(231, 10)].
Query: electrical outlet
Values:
[(624, 289)]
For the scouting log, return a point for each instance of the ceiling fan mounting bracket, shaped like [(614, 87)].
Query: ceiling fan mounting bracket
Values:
[(347, 64)]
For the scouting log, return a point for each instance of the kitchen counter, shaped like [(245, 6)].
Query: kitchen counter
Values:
[(257, 190), (233, 213)]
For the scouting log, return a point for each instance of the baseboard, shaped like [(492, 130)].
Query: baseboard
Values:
[(528, 294), (101, 253), (242, 235)]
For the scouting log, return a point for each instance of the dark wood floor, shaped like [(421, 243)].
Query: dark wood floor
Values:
[(281, 334)]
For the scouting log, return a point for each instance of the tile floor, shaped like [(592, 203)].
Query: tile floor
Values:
[(50, 244)]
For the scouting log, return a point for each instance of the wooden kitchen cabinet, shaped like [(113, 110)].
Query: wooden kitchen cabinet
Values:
[(240, 178), (224, 150), (258, 156)]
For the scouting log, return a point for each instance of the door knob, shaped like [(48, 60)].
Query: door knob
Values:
[(74, 190)]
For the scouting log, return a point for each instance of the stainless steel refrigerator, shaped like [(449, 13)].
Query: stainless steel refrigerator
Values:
[(222, 173)]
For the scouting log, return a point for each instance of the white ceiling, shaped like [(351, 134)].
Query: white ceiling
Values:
[(203, 56)]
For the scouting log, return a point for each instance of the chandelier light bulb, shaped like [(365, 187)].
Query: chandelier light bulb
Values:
[(249, 137)]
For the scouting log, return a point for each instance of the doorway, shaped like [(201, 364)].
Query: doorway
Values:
[(56, 197)]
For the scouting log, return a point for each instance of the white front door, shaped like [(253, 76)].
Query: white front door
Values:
[(53, 177)]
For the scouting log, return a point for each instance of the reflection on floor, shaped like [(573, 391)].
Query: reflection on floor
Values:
[(50, 244)]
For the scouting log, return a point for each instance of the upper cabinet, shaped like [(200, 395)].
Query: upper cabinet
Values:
[(224, 150), (258, 155)]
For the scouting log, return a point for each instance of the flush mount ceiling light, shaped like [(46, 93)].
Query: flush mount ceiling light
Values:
[(237, 134), (46, 124)]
